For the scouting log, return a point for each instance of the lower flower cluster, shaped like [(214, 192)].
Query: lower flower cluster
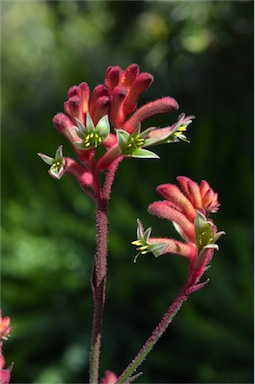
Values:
[(187, 207)]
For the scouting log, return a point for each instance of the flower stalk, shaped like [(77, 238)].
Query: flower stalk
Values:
[(157, 333), (188, 207), (98, 284)]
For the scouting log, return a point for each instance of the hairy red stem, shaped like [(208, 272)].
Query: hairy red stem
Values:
[(183, 295), (98, 284)]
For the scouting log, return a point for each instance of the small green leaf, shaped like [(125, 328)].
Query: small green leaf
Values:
[(147, 234), (80, 145), (103, 126), (122, 138), (80, 134), (157, 249), (144, 153), (89, 123), (59, 153), (82, 128), (47, 159)]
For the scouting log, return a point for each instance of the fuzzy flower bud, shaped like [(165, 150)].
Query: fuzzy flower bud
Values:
[(113, 77), (166, 104), (141, 83)]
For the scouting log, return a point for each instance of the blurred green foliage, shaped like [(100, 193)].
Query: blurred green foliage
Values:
[(201, 53)]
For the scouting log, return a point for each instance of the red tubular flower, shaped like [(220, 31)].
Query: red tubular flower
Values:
[(102, 107), (117, 115), (165, 104), (113, 77), (130, 75), (65, 126), (140, 84), (98, 92), (84, 93)]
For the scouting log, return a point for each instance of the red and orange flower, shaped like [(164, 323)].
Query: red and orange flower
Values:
[(187, 207)]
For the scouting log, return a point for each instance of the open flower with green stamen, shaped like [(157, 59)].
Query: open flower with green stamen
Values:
[(143, 245), (206, 236), (133, 144), (57, 163), (92, 136), (172, 134)]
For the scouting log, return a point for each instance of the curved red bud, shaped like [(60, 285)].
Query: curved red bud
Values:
[(192, 191), (209, 197), (72, 107), (73, 91), (113, 77), (102, 108), (99, 91), (62, 122), (65, 126), (172, 192), (141, 83), (166, 210), (116, 116), (201, 196), (166, 104), (130, 75), (84, 94)]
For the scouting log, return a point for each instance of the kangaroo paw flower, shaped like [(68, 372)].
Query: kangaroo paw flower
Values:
[(143, 244), (188, 208), (90, 135)]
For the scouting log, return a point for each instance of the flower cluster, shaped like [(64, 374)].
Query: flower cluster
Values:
[(5, 374), (108, 117), (188, 208)]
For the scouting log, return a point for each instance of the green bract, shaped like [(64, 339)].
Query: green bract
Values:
[(142, 244), (57, 163), (205, 234), (90, 135)]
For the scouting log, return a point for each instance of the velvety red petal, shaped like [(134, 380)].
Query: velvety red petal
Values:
[(130, 75), (164, 210), (176, 247), (172, 192), (166, 104)]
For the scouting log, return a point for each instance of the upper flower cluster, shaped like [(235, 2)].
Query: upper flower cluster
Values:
[(188, 207), (108, 117)]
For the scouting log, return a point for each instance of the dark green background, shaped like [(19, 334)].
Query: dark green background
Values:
[(201, 53)]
